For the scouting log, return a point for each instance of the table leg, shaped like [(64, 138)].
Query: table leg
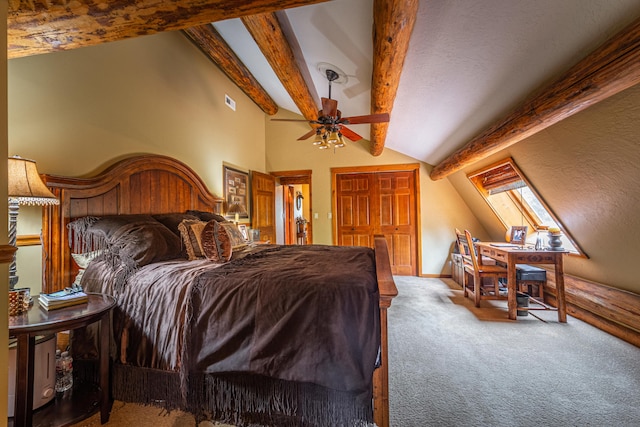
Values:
[(105, 401), (25, 355), (512, 302), (562, 304)]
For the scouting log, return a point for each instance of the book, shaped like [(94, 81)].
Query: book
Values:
[(62, 298)]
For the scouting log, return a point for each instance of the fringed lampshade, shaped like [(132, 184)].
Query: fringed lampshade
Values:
[(25, 188)]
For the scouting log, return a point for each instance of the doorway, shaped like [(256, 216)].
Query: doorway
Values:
[(293, 207)]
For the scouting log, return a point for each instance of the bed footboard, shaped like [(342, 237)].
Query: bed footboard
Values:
[(388, 291)]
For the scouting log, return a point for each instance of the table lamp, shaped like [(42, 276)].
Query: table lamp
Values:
[(25, 188), (237, 209)]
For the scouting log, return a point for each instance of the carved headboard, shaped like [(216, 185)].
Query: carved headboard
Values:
[(142, 184)]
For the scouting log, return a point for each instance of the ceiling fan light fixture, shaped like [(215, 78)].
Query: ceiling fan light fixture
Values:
[(333, 137), (318, 138), (340, 142)]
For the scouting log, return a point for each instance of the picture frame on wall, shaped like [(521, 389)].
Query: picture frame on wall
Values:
[(236, 192)]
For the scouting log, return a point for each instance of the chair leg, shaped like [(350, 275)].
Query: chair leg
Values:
[(477, 285)]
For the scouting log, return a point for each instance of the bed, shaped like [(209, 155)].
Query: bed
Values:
[(264, 337)]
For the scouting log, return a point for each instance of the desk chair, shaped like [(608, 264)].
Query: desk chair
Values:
[(474, 284)]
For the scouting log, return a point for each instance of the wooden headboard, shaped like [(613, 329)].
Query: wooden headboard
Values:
[(144, 184)]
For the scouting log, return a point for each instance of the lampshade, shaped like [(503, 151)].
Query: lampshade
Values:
[(25, 185), (237, 209)]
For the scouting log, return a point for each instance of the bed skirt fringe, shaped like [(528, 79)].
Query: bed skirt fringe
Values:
[(243, 400)]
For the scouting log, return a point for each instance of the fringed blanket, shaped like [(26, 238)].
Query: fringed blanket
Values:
[(284, 335)]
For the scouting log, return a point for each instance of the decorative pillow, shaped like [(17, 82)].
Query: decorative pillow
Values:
[(235, 235), (83, 260), (216, 244), (191, 231), (206, 216)]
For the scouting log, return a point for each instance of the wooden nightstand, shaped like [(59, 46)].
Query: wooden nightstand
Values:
[(38, 321)]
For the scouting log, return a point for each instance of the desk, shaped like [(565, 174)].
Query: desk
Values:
[(38, 321), (512, 255)]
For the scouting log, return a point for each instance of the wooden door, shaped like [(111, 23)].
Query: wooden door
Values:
[(385, 203), (397, 219), (263, 199), (354, 210)]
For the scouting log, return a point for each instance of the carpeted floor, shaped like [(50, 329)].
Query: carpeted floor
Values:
[(452, 364)]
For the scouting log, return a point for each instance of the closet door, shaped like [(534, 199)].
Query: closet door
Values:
[(354, 209), (397, 219), (384, 203)]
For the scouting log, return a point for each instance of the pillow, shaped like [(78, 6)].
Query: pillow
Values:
[(235, 235), (82, 261), (191, 231), (206, 216), (173, 220), (135, 240), (216, 244)]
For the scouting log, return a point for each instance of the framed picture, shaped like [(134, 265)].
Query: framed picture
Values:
[(244, 231), (236, 192), (518, 234)]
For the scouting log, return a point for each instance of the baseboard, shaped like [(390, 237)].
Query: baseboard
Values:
[(613, 310), (436, 276)]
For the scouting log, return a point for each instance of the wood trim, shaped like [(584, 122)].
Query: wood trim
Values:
[(6, 253), (610, 69), (29, 240), (211, 43), (35, 27), (613, 310), (393, 23), (377, 168), (388, 291)]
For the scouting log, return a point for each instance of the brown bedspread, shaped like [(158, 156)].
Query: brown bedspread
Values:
[(300, 314)]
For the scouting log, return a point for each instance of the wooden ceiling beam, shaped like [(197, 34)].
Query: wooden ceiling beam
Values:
[(393, 22), (44, 26), (610, 69), (269, 35), (213, 46)]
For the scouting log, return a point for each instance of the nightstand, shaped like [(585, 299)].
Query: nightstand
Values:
[(38, 321)]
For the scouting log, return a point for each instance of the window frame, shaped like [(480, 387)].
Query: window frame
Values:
[(508, 167)]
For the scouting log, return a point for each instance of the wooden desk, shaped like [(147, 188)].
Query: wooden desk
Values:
[(38, 321), (512, 255)]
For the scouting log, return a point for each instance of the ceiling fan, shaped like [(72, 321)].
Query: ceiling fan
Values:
[(331, 127)]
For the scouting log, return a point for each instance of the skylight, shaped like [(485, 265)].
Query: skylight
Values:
[(516, 202)]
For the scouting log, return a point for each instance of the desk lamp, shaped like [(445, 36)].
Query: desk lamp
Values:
[(25, 188)]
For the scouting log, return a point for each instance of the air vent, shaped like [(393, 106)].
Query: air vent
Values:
[(230, 102)]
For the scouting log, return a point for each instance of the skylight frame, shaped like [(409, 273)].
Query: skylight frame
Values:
[(510, 206)]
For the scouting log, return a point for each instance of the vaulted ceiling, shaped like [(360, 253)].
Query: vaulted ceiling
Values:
[(461, 79)]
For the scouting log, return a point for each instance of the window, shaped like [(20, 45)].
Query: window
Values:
[(516, 202)]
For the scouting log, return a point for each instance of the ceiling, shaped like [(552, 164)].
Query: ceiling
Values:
[(467, 64)]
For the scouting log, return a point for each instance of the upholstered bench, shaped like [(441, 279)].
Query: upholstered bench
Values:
[(531, 280)]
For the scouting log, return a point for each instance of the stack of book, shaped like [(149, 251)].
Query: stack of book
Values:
[(63, 298)]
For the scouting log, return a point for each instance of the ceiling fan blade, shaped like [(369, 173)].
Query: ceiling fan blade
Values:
[(329, 107), (307, 135), (369, 118), (350, 134)]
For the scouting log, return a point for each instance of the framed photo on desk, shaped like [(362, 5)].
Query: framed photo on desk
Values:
[(519, 234)]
